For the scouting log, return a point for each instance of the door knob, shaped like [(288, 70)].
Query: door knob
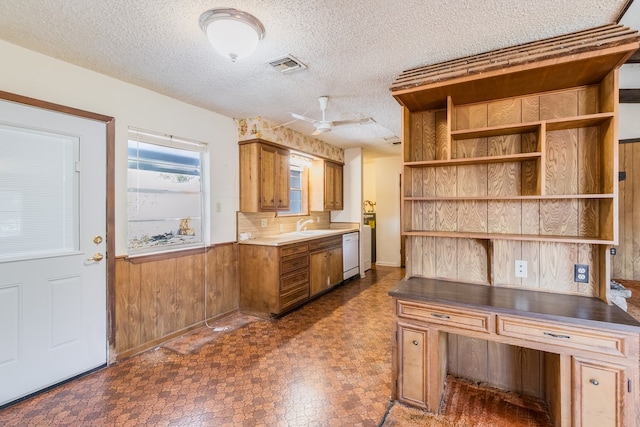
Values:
[(97, 240), (96, 257)]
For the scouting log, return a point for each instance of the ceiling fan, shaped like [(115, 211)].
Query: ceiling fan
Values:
[(325, 125)]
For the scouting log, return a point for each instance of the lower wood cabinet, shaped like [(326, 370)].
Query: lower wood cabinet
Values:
[(598, 393), (325, 264), (591, 350), (412, 384), (273, 279)]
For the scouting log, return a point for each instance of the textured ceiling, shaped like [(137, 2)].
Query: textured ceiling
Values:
[(354, 49)]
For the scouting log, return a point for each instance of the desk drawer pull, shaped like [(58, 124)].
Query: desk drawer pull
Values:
[(566, 337), (594, 382), (440, 316), (415, 342)]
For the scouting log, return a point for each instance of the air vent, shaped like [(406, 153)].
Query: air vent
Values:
[(287, 64), (391, 140)]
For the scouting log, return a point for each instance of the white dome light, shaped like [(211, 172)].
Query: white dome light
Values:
[(233, 33)]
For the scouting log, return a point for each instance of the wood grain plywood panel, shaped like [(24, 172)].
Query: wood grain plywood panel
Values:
[(556, 267), (530, 217), (505, 216), (428, 136), (473, 358), (190, 292), (222, 279), (416, 146), (530, 108), (503, 369), (561, 162), (472, 260), (148, 302), (559, 104), (428, 256), (588, 100), (472, 216), (446, 250), (165, 297), (588, 255), (622, 262), (589, 162), (504, 255), (127, 306), (589, 220), (559, 217), (504, 112), (443, 141), (531, 253)]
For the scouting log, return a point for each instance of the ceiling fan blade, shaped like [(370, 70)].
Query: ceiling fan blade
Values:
[(316, 132), (354, 121), (301, 117)]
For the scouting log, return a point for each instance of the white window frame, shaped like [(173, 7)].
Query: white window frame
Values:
[(170, 141)]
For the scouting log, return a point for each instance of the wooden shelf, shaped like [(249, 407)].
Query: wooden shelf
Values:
[(507, 198), (495, 131), (578, 122), (504, 236), (520, 157)]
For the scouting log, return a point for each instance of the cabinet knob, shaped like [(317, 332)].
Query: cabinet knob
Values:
[(415, 342), (594, 381)]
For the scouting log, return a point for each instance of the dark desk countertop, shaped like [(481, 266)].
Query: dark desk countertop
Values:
[(574, 309)]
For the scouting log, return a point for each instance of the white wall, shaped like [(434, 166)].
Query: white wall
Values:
[(628, 123), (387, 174), (352, 171), (31, 74), (369, 180)]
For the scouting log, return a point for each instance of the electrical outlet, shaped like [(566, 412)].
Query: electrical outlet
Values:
[(521, 268), (581, 273), (218, 207), (264, 222)]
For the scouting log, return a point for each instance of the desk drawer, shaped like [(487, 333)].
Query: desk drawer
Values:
[(592, 340), (467, 319)]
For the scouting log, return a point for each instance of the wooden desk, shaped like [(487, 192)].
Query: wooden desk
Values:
[(591, 349)]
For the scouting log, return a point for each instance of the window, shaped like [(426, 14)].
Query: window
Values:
[(165, 192), (298, 186)]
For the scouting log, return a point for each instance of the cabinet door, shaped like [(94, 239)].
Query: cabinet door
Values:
[(267, 178), (318, 272), (282, 184), (599, 391), (412, 358), (333, 186), (336, 272), (274, 178), (338, 198)]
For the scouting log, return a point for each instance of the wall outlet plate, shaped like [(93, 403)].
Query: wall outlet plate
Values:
[(264, 222), (521, 268), (581, 273)]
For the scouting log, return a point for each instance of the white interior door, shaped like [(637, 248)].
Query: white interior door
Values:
[(52, 223)]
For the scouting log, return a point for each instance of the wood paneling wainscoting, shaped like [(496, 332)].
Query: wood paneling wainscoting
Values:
[(626, 263), (162, 296)]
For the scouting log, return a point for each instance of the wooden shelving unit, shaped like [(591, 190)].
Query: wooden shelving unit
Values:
[(517, 162)]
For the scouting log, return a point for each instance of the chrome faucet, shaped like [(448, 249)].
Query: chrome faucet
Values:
[(302, 223)]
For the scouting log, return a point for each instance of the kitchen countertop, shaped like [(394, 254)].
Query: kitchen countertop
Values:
[(295, 237)]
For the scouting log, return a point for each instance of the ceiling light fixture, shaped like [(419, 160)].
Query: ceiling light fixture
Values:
[(233, 33)]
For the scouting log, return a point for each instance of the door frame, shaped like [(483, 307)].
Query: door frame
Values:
[(110, 236)]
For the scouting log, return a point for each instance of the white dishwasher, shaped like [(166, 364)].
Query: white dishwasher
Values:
[(350, 255)]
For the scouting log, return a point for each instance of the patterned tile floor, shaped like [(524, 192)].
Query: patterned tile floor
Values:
[(325, 364)]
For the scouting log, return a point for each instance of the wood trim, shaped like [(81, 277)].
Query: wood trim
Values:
[(110, 214), (623, 11), (288, 148), (151, 344), (634, 59), (628, 141), (8, 96), (170, 254), (111, 239)]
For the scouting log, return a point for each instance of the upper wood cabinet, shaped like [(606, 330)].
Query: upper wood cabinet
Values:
[(326, 185), (264, 177)]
